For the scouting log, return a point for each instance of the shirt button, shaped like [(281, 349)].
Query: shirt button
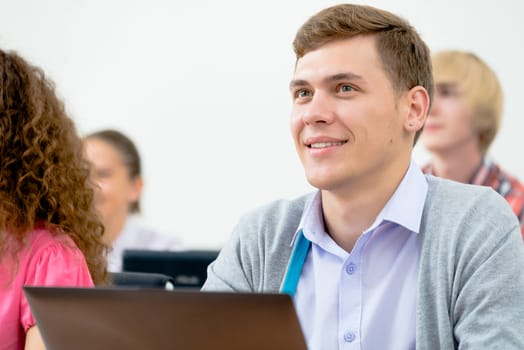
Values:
[(350, 268), (349, 337)]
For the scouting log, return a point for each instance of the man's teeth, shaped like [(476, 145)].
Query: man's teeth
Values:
[(326, 144)]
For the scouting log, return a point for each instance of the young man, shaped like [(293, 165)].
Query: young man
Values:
[(462, 124), (381, 256)]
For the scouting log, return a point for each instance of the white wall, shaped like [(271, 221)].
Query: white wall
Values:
[(202, 88)]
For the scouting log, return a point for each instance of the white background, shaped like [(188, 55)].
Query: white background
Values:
[(201, 86)]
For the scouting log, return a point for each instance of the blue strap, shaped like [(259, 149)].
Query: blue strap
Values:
[(298, 257)]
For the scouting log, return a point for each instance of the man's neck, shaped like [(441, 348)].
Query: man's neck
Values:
[(458, 165), (348, 213)]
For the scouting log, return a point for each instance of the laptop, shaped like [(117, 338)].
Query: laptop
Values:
[(187, 268), (138, 319)]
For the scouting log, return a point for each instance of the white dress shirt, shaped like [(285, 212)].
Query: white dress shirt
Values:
[(365, 299), (136, 236)]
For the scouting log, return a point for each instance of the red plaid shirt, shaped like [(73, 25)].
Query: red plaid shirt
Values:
[(490, 174)]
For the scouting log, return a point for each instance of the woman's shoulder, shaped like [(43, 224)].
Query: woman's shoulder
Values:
[(52, 258), (42, 239)]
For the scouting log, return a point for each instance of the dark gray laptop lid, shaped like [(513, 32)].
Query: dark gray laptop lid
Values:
[(129, 319)]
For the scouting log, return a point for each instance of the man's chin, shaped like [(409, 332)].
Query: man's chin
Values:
[(320, 182)]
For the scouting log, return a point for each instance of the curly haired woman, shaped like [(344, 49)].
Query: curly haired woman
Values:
[(50, 234)]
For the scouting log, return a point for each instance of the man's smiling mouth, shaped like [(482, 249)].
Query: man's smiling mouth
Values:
[(326, 144)]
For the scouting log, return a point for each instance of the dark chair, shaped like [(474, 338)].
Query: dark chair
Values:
[(142, 279)]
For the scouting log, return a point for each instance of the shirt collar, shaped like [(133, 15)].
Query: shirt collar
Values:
[(483, 171), (480, 175), (405, 207), (312, 220)]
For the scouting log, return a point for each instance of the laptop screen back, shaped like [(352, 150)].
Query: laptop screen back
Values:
[(133, 319)]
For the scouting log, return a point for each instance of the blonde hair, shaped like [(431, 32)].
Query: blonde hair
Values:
[(479, 86)]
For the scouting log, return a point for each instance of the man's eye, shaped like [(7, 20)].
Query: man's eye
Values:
[(448, 92), (302, 93), (346, 88)]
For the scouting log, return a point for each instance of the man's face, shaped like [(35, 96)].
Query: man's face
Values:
[(347, 121), (449, 126)]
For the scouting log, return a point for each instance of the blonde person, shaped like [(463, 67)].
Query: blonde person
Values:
[(380, 256), (117, 174), (462, 124), (49, 231)]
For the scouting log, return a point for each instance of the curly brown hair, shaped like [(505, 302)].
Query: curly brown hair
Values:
[(44, 178)]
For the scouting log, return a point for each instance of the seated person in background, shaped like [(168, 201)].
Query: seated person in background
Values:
[(463, 122), (50, 234), (116, 170), (381, 256)]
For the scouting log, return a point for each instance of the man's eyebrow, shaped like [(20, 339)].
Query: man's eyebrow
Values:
[(447, 84), (297, 82), (332, 78), (343, 76)]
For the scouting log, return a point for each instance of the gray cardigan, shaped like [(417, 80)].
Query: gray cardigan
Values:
[(471, 273)]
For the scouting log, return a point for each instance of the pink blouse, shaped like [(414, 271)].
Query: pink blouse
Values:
[(44, 260)]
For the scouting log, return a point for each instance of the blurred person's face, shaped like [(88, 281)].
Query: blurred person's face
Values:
[(449, 125), (115, 190)]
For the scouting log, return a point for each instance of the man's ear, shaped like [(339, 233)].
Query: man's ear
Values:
[(136, 189), (417, 108), (483, 119), (485, 125)]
